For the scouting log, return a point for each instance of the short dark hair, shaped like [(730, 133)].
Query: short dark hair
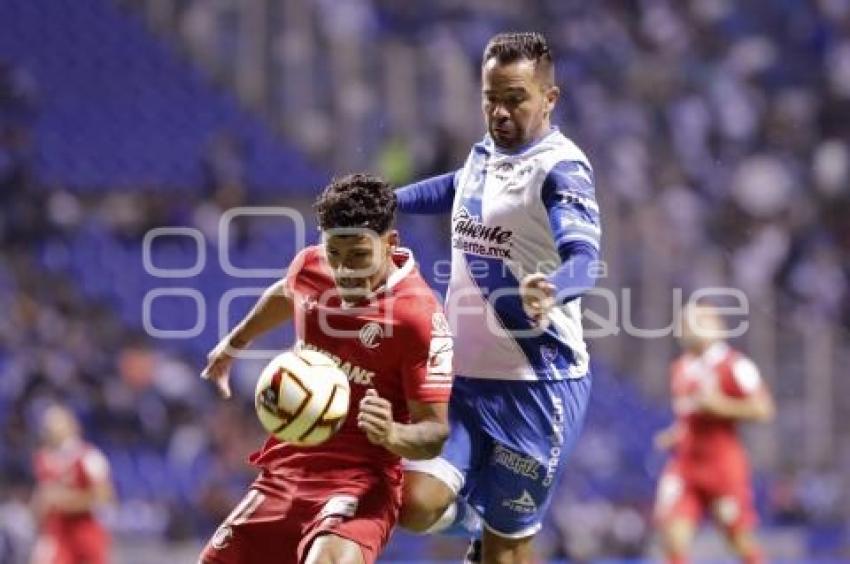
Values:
[(357, 200), (513, 46)]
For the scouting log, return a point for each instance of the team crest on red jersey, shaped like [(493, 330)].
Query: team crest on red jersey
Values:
[(371, 335)]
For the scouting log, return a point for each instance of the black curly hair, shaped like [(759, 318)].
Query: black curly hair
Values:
[(357, 200)]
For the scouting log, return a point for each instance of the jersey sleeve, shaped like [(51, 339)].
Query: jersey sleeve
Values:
[(430, 196), (427, 361), (745, 376), (570, 199), (294, 269), (95, 466)]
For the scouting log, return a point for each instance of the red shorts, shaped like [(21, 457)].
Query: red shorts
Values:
[(726, 492), (284, 512), (80, 541)]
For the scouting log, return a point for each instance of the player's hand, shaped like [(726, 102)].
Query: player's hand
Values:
[(376, 418), (538, 298), (667, 438), (710, 400), (217, 370)]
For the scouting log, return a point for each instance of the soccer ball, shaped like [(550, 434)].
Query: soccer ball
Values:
[(302, 397)]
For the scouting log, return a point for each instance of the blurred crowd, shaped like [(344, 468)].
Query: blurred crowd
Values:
[(732, 117), (729, 121)]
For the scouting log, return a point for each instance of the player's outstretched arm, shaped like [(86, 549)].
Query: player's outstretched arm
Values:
[(430, 196), (273, 308), (421, 439)]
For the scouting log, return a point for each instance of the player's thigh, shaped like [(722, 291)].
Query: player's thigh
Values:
[(431, 485), (497, 549), (49, 549), (328, 548), (519, 478), (734, 511), (677, 500), (259, 527)]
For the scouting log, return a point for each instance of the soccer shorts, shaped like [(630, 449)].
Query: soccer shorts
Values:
[(83, 540), (724, 493), (508, 446), (282, 514)]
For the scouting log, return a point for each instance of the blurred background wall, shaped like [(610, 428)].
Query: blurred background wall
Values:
[(719, 135)]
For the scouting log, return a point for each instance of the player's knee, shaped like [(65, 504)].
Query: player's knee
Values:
[(502, 550), (424, 500), (331, 549)]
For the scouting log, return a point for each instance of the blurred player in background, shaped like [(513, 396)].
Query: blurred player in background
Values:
[(338, 502), (713, 387), (73, 481), (525, 241)]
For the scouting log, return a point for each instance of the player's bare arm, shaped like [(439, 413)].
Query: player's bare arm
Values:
[(273, 308), (667, 437), (421, 439), (757, 407), (71, 500)]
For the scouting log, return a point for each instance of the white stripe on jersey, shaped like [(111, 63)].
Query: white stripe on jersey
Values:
[(499, 219)]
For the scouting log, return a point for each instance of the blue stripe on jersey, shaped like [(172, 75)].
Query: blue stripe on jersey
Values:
[(432, 195), (576, 275), (546, 353), (570, 200)]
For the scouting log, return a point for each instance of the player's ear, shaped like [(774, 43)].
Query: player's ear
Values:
[(551, 96), (393, 240)]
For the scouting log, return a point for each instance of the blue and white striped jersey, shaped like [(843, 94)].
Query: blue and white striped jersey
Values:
[(511, 215)]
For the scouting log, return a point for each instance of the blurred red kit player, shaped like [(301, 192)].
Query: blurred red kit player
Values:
[(713, 387), (73, 480), (359, 299)]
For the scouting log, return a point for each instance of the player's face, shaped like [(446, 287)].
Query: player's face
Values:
[(701, 326), (58, 425), (516, 101), (360, 263)]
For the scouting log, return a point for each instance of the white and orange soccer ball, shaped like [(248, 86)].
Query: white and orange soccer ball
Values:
[(302, 397)]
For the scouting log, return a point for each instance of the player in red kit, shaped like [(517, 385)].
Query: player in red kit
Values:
[(73, 480), (713, 387), (358, 298)]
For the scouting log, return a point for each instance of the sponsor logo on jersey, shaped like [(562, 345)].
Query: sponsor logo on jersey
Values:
[(557, 441), (356, 374), (527, 466), (472, 236), (523, 504), (371, 335)]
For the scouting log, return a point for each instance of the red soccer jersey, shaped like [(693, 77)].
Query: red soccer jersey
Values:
[(398, 343), (76, 465), (709, 442)]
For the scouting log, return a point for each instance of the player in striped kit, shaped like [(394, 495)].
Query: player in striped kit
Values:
[(525, 241)]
